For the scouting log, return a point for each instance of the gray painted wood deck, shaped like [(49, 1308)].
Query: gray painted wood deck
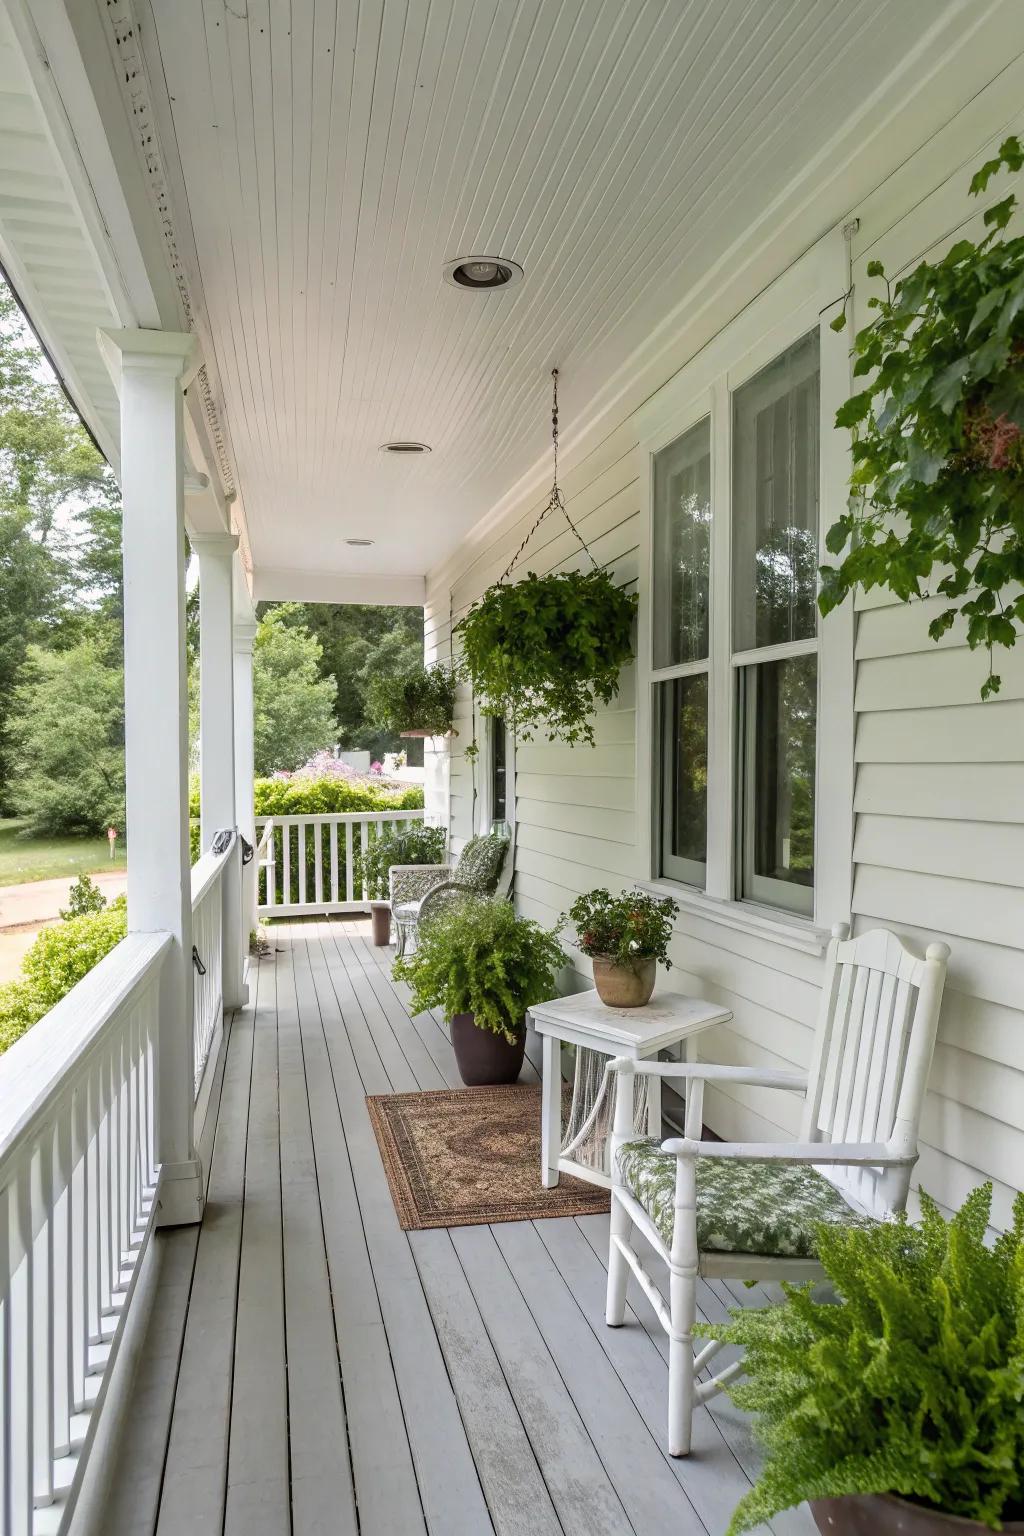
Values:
[(309, 1368)]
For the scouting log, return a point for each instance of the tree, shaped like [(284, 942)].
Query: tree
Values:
[(60, 561), (293, 704), (67, 738), (360, 641)]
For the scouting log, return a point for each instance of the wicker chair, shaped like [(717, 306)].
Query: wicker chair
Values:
[(419, 892)]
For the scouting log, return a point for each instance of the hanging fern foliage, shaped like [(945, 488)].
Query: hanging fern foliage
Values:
[(544, 652), (938, 436), (419, 700)]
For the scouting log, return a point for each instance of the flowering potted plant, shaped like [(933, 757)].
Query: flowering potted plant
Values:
[(625, 936), (484, 967), (895, 1405)]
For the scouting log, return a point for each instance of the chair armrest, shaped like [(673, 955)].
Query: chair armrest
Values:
[(757, 1077), (869, 1154)]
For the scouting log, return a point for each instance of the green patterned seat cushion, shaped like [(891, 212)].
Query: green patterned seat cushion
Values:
[(742, 1207), (480, 863)]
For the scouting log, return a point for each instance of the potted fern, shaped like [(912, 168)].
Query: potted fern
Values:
[(898, 1407), (484, 967)]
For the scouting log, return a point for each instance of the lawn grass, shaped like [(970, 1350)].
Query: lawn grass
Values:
[(47, 858)]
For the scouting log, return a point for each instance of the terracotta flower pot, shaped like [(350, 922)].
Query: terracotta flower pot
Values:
[(380, 922), (625, 986), (883, 1514), (482, 1056)]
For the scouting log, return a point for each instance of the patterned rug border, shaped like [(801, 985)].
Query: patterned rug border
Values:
[(571, 1196)]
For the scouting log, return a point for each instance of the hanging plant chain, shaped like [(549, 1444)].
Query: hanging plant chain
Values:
[(555, 499)]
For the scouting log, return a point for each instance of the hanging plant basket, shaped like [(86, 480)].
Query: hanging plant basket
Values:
[(544, 652), (416, 703)]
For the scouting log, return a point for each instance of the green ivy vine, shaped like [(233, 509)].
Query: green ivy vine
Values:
[(938, 456)]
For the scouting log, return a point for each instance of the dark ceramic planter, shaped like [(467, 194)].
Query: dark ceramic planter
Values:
[(624, 986), (483, 1057), (883, 1514), (380, 922)]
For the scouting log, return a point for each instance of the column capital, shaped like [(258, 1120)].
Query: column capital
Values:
[(174, 353), (244, 636), (220, 545)]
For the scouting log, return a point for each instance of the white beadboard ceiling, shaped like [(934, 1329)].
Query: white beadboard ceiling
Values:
[(334, 155), (48, 249)]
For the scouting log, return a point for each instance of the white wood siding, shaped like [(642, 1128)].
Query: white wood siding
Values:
[(939, 796)]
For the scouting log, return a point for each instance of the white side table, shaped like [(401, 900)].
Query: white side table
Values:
[(583, 1020)]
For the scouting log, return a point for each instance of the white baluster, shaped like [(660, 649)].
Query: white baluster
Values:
[(41, 1238)]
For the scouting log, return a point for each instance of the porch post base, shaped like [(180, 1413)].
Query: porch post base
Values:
[(239, 1000), (180, 1195)]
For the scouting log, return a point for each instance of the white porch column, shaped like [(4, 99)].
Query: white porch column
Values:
[(216, 552), (245, 634), (147, 367)]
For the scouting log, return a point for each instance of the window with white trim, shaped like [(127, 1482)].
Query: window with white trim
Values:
[(682, 607), (767, 589)]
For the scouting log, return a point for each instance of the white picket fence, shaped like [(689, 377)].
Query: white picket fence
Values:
[(287, 844), (77, 1183)]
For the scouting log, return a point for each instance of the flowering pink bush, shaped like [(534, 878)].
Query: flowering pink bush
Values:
[(376, 767), (324, 765)]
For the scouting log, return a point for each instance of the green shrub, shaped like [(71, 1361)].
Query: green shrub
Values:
[(406, 845), (56, 962), (912, 1384), (322, 797), (480, 958), (84, 896)]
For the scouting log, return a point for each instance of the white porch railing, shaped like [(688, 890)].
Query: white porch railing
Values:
[(207, 955), (77, 1181), (308, 863)]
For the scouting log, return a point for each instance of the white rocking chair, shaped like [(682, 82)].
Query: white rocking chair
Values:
[(748, 1211)]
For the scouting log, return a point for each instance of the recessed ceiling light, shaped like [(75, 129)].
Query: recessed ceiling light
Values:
[(404, 447), (359, 543), (486, 274)]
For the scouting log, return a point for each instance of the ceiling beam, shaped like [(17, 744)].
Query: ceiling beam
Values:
[(285, 586)]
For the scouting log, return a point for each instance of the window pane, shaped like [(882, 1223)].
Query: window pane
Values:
[(499, 801), (775, 500), (682, 547), (683, 709), (779, 708)]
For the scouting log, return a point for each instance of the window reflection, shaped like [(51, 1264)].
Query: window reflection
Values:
[(775, 491), (682, 547)]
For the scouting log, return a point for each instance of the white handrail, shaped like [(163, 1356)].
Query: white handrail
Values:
[(308, 861), (207, 955), (78, 1178)]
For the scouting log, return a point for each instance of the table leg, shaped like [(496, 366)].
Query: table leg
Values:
[(551, 1111), (654, 1107), (692, 1123)]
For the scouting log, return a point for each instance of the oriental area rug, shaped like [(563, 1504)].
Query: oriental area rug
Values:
[(458, 1157)]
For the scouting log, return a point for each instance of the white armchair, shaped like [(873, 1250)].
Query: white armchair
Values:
[(750, 1211)]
